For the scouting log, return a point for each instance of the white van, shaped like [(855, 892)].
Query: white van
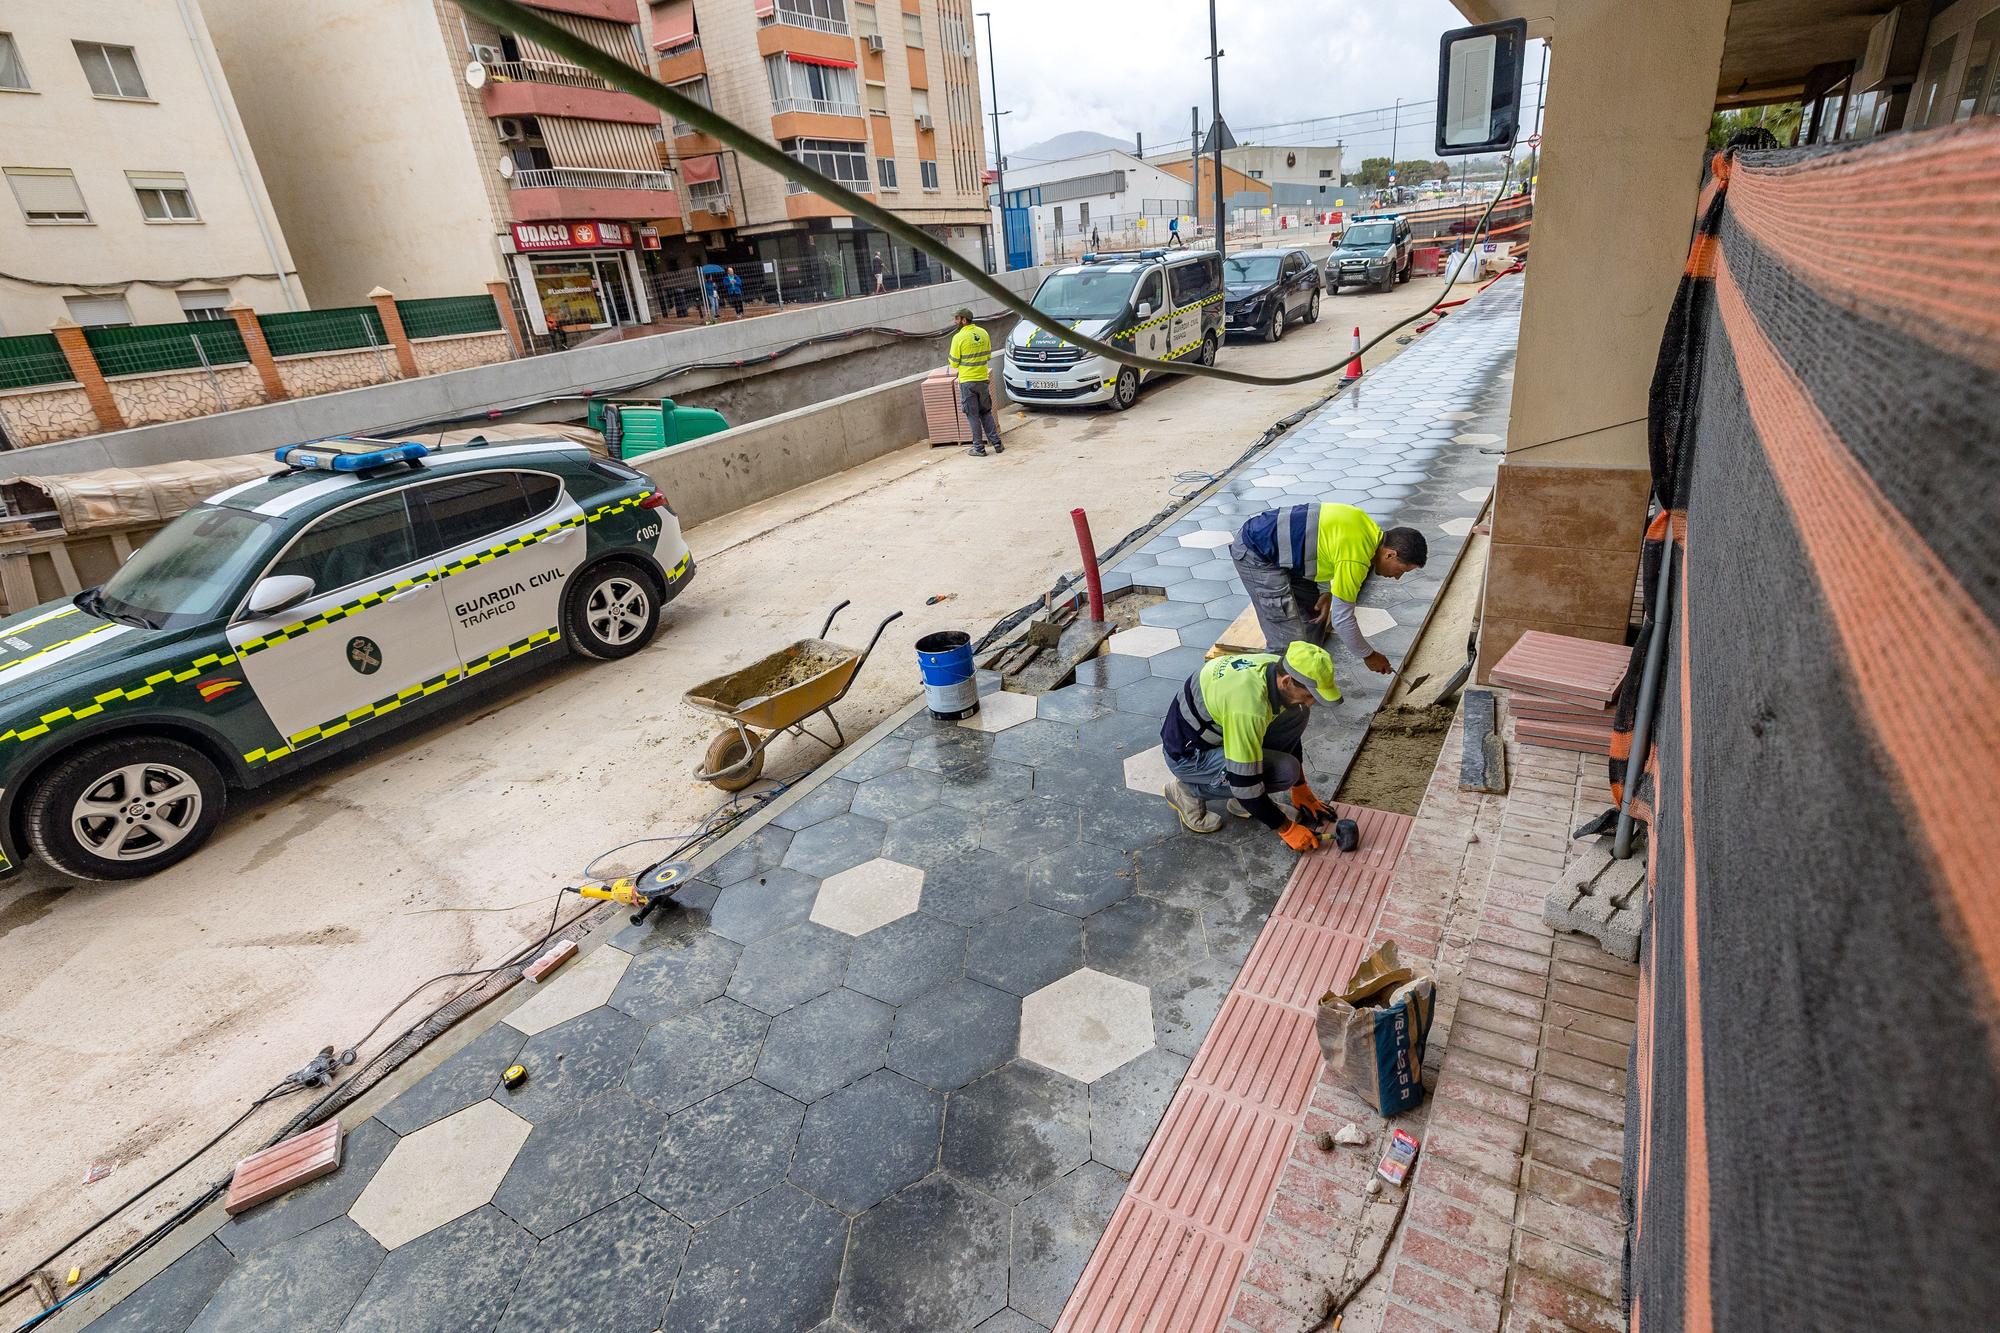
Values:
[(1163, 304)]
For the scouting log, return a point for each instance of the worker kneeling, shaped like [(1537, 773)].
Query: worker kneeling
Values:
[(1234, 732)]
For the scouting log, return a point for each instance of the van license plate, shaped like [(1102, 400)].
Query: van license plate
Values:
[(1045, 386)]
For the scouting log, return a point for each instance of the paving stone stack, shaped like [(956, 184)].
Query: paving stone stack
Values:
[(1563, 690)]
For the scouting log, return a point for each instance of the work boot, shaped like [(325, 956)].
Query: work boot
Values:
[(998, 447), (1194, 812), (1235, 807), (977, 451)]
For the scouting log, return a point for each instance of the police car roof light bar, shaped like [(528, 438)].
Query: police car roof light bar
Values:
[(1121, 256), (337, 455)]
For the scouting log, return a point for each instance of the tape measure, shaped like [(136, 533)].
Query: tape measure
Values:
[(514, 1077)]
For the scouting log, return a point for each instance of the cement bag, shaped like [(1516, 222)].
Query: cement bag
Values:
[(1372, 1031)]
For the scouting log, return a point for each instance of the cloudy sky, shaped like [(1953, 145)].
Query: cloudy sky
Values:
[(1120, 66)]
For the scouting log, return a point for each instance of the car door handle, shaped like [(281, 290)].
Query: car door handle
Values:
[(399, 596)]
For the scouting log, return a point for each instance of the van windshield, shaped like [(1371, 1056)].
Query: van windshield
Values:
[(1368, 233), (1091, 293)]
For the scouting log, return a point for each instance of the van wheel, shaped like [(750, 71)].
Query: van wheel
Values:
[(1125, 391), (1209, 344), (1312, 308), (125, 809), (613, 611)]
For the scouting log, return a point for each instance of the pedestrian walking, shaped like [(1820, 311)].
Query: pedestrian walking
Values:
[(733, 285), (878, 273), (1093, 238), (971, 349), (1174, 232), (1319, 554)]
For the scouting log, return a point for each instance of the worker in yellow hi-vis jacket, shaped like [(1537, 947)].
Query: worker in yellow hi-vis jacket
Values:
[(971, 349)]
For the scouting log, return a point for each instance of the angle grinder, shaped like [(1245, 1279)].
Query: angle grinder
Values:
[(645, 891)]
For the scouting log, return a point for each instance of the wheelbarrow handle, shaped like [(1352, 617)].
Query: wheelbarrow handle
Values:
[(831, 614), (892, 616)]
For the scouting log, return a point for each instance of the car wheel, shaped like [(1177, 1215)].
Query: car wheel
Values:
[(613, 611), (125, 809), (1388, 283), (1209, 344), (1125, 391), (1274, 327), (1403, 273), (1312, 308)]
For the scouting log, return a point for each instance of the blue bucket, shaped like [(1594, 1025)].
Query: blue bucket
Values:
[(945, 660)]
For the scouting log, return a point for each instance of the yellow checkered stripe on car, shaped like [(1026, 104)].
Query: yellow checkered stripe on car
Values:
[(409, 694), (335, 614), (44, 652), (1157, 320), (679, 571), (122, 694)]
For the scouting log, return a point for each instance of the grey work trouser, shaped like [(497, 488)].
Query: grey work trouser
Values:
[(975, 397), (1206, 772), (1283, 600)]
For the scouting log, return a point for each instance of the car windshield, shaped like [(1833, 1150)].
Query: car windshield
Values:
[(1252, 268), (185, 574), (1092, 293), (1370, 233)]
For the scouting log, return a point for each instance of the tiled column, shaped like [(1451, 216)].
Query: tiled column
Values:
[(392, 324), (83, 369), (259, 350), (503, 301)]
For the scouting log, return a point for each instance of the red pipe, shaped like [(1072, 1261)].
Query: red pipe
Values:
[(1090, 577)]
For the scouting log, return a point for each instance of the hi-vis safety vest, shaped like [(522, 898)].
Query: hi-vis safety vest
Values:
[(1331, 544), (970, 350)]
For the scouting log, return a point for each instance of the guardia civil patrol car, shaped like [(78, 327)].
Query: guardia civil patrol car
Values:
[(287, 618), (1163, 304)]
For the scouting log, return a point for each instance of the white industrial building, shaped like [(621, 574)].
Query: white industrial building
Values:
[(1124, 201)]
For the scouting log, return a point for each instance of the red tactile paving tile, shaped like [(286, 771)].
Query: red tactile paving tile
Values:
[(1525, 703), (552, 958), (1586, 737), (1294, 964), (283, 1166), (1154, 1273), (1262, 1053), (1334, 892), (1217, 1162), (1556, 664)]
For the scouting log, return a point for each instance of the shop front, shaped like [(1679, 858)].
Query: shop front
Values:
[(576, 277)]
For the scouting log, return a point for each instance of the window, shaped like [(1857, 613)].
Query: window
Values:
[(819, 15), (865, 22), (1928, 105), (204, 303), (1149, 291), (878, 100), (353, 545), (920, 101), (1326, 175), (845, 162), (695, 90), (1979, 91), (474, 509), (98, 312), (113, 71), (13, 74), (798, 85), (163, 196), (184, 574), (913, 30), (1082, 215), (928, 169), (1256, 175), (885, 172), (48, 195), (1186, 282)]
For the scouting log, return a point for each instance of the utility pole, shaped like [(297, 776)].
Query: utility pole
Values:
[(1215, 101), (1194, 160), (1395, 126), (999, 162), (1541, 92)]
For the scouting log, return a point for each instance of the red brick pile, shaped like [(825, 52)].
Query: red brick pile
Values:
[(1562, 690)]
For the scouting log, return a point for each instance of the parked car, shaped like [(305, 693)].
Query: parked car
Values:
[(1266, 289), (1164, 304), (290, 617), (1374, 251)]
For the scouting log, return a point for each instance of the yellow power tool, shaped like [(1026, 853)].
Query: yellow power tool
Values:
[(644, 892)]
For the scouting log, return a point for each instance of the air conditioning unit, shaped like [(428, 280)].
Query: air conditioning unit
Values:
[(488, 55), (875, 43), (512, 130), (719, 207), (926, 123), (965, 50)]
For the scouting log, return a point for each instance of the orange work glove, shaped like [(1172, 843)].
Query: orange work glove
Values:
[(1299, 838), (1308, 804)]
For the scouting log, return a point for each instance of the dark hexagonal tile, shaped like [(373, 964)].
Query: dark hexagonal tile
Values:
[(1025, 949), (1010, 1320), (1073, 704), (907, 791), (1200, 591), (1221, 570), (951, 746), (1227, 608), (1162, 576), (673, 924), (1203, 633), (1168, 615), (1116, 737), (1113, 669), (830, 798), (930, 839), (719, 1152), (695, 1055), (468, 1076), (1184, 556), (1081, 779), (884, 756), (1232, 922), (456, 1277), (576, 1163), (834, 845), (1185, 1005), (770, 1265), (303, 1283), (666, 981), (1035, 742), (984, 785), (1127, 1103), (171, 1298), (1177, 664), (825, 1044), (563, 1283), (1149, 698), (1017, 1129), (947, 1037), (932, 1257), (750, 909), (1081, 879), (761, 851), (572, 1062), (868, 1140), (972, 886), (1128, 820), (1191, 872), (796, 964), (1031, 828), (900, 961), (1053, 1235), (1142, 939)]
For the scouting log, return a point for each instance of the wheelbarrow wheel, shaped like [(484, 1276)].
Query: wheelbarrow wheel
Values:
[(727, 751)]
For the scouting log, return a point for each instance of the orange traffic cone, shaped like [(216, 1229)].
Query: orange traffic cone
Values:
[(1354, 366)]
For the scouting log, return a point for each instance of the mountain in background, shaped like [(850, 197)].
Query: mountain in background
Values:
[(1074, 143)]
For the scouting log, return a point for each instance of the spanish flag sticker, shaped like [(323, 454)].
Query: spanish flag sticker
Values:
[(215, 688)]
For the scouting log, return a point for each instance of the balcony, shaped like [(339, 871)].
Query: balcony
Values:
[(542, 194), (549, 88), (812, 106), (783, 18), (682, 62)]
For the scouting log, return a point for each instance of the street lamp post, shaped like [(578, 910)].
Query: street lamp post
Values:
[(999, 162), (1215, 102)]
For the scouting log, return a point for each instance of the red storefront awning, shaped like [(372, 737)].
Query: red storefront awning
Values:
[(799, 58), (673, 25), (701, 170)]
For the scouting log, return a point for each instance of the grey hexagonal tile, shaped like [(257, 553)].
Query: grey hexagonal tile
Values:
[(1030, 829), (761, 851), (1165, 615), (835, 844), (1036, 742), (900, 961), (1082, 878), (666, 981), (985, 785), (960, 746), (1017, 1129), (468, 1076), (1074, 704), (930, 839), (863, 1143), (824, 1044), (1118, 736), (695, 1055), (790, 967), (931, 1257), (1185, 1005), (456, 1277), (1127, 820), (1142, 939), (573, 1062), (829, 798), (771, 1264), (750, 909), (1126, 1106), (562, 1284), (1053, 1235), (1179, 664), (1202, 591), (1079, 778), (949, 1036), (719, 1152), (1149, 698), (1025, 948), (970, 887), (903, 792), (576, 1163), (672, 924), (884, 756)]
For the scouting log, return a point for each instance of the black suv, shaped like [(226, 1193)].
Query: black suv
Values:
[(1263, 290), (1374, 251)]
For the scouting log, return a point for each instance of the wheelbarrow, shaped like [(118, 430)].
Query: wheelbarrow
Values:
[(775, 696)]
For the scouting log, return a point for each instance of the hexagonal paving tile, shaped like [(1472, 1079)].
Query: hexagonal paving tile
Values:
[(825, 1044), (1074, 703), (1143, 641), (580, 986), (759, 852), (719, 1152), (1115, 736), (896, 1119), (697, 1054), (1079, 880), (1025, 948), (1456, 527), (750, 909), (1149, 698), (455, 1277), (576, 1163), (1017, 1129), (1031, 828), (884, 756), (949, 1036), (1185, 1006), (1036, 743), (572, 1062), (829, 798), (907, 791), (1147, 772), (771, 1264), (952, 747), (1373, 620), (902, 960), (667, 981), (1179, 663), (562, 1285), (932, 838), (999, 711), (1086, 1024), (1166, 615), (983, 785), (1080, 777), (443, 1171), (869, 895), (1126, 1106), (1054, 1233), (1126, 820), (468, 1076), (932, 1257), (1210, 538), (970, 887), (831, 846), (788, 968), (1476, 494)]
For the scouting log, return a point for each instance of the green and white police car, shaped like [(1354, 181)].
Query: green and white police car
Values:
[(285, 619)]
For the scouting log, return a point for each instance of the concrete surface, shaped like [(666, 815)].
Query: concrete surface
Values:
[(142, 1017)]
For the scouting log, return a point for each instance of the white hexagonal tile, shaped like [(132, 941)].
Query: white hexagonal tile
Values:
[(442, 1171), (1367, 433), (871, 894), (1373, 619), (579, 987), (1476, 494), (1000, 710), (1144, 641), (1148, 772), (1456, 416), (1206, 539), (1456, 527), (1475, 437), (1275, 479), (1087, 1024)]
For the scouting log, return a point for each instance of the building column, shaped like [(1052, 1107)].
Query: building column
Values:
[(503, 301), (83, 369), (260, 351), (392, 324), (1625, 130)]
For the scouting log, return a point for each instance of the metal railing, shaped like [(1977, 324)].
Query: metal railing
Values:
[(693, 43), (790, 19), (590, 178), (816, 106), (544, 71)]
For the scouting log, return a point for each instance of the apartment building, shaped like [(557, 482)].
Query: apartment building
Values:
[(132, 194)]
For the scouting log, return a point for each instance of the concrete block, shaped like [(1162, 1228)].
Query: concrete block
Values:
[(1602, 898), (552, 958), (1482, 764)]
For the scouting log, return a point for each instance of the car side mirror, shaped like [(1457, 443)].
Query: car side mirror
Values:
[(1479, 87), (278, 592), (1145, 309)]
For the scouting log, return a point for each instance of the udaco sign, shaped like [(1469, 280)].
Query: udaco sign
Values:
[(571, 235)]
